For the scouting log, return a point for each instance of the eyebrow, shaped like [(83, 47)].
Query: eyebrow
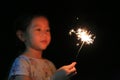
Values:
[(35, 26), (38, 25)]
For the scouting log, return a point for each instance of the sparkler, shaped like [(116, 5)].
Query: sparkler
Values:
[(84, 36)]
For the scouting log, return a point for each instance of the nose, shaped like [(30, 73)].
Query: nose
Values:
[(43, 33)]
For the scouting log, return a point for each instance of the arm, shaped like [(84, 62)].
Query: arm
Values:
[(65, 72)]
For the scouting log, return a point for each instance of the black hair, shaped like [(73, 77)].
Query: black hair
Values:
[(24, 20)]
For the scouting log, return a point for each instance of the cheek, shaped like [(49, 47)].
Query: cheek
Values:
[(49, 38), (32, 39), (35, 38)]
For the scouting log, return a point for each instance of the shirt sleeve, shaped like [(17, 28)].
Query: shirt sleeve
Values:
[(19, 67), (59, 75)]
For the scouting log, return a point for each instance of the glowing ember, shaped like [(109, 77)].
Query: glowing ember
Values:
[(84, 36)]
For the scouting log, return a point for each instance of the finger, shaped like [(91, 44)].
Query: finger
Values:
[(72, 70), (71, 74), (72, 65)]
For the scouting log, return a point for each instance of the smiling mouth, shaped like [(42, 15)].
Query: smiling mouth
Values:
[(43, 41)]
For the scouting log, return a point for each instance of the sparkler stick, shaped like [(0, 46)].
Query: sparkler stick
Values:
[(84, 36), (79, 49)]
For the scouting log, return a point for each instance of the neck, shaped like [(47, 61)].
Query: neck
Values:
[(30, 52)]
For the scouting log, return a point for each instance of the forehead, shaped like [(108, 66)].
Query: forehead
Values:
[(40, 19)]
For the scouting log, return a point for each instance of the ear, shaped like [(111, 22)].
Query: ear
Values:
[(21, 35)]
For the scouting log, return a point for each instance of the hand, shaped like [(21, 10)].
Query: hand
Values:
[(65, 72), (69, 68)]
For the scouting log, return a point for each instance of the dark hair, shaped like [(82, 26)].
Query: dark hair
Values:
[(23, 21)]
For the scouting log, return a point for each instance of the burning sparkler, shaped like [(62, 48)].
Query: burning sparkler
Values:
[(84, 36)]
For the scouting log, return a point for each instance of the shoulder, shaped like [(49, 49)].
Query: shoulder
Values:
[(21, 60), (20, 66)]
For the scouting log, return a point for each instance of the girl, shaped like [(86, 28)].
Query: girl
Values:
[(34, 31)]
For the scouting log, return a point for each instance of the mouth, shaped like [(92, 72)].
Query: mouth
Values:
[(44, 41)]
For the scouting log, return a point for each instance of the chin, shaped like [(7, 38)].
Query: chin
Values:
[(43, 48)]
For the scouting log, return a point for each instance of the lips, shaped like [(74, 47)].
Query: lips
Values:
[(44, 41)]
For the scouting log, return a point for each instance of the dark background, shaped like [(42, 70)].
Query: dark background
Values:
[(98, 61)]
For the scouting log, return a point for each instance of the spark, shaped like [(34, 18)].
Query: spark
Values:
[(83, 36)]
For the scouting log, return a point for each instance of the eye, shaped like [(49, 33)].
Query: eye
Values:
[(38, 29), (48, 30)]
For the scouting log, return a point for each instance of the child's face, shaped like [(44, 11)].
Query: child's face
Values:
[(38, 34)]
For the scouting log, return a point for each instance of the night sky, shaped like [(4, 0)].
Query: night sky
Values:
[(98, 61)]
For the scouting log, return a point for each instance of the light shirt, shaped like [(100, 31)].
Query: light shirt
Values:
[(36, 69)]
